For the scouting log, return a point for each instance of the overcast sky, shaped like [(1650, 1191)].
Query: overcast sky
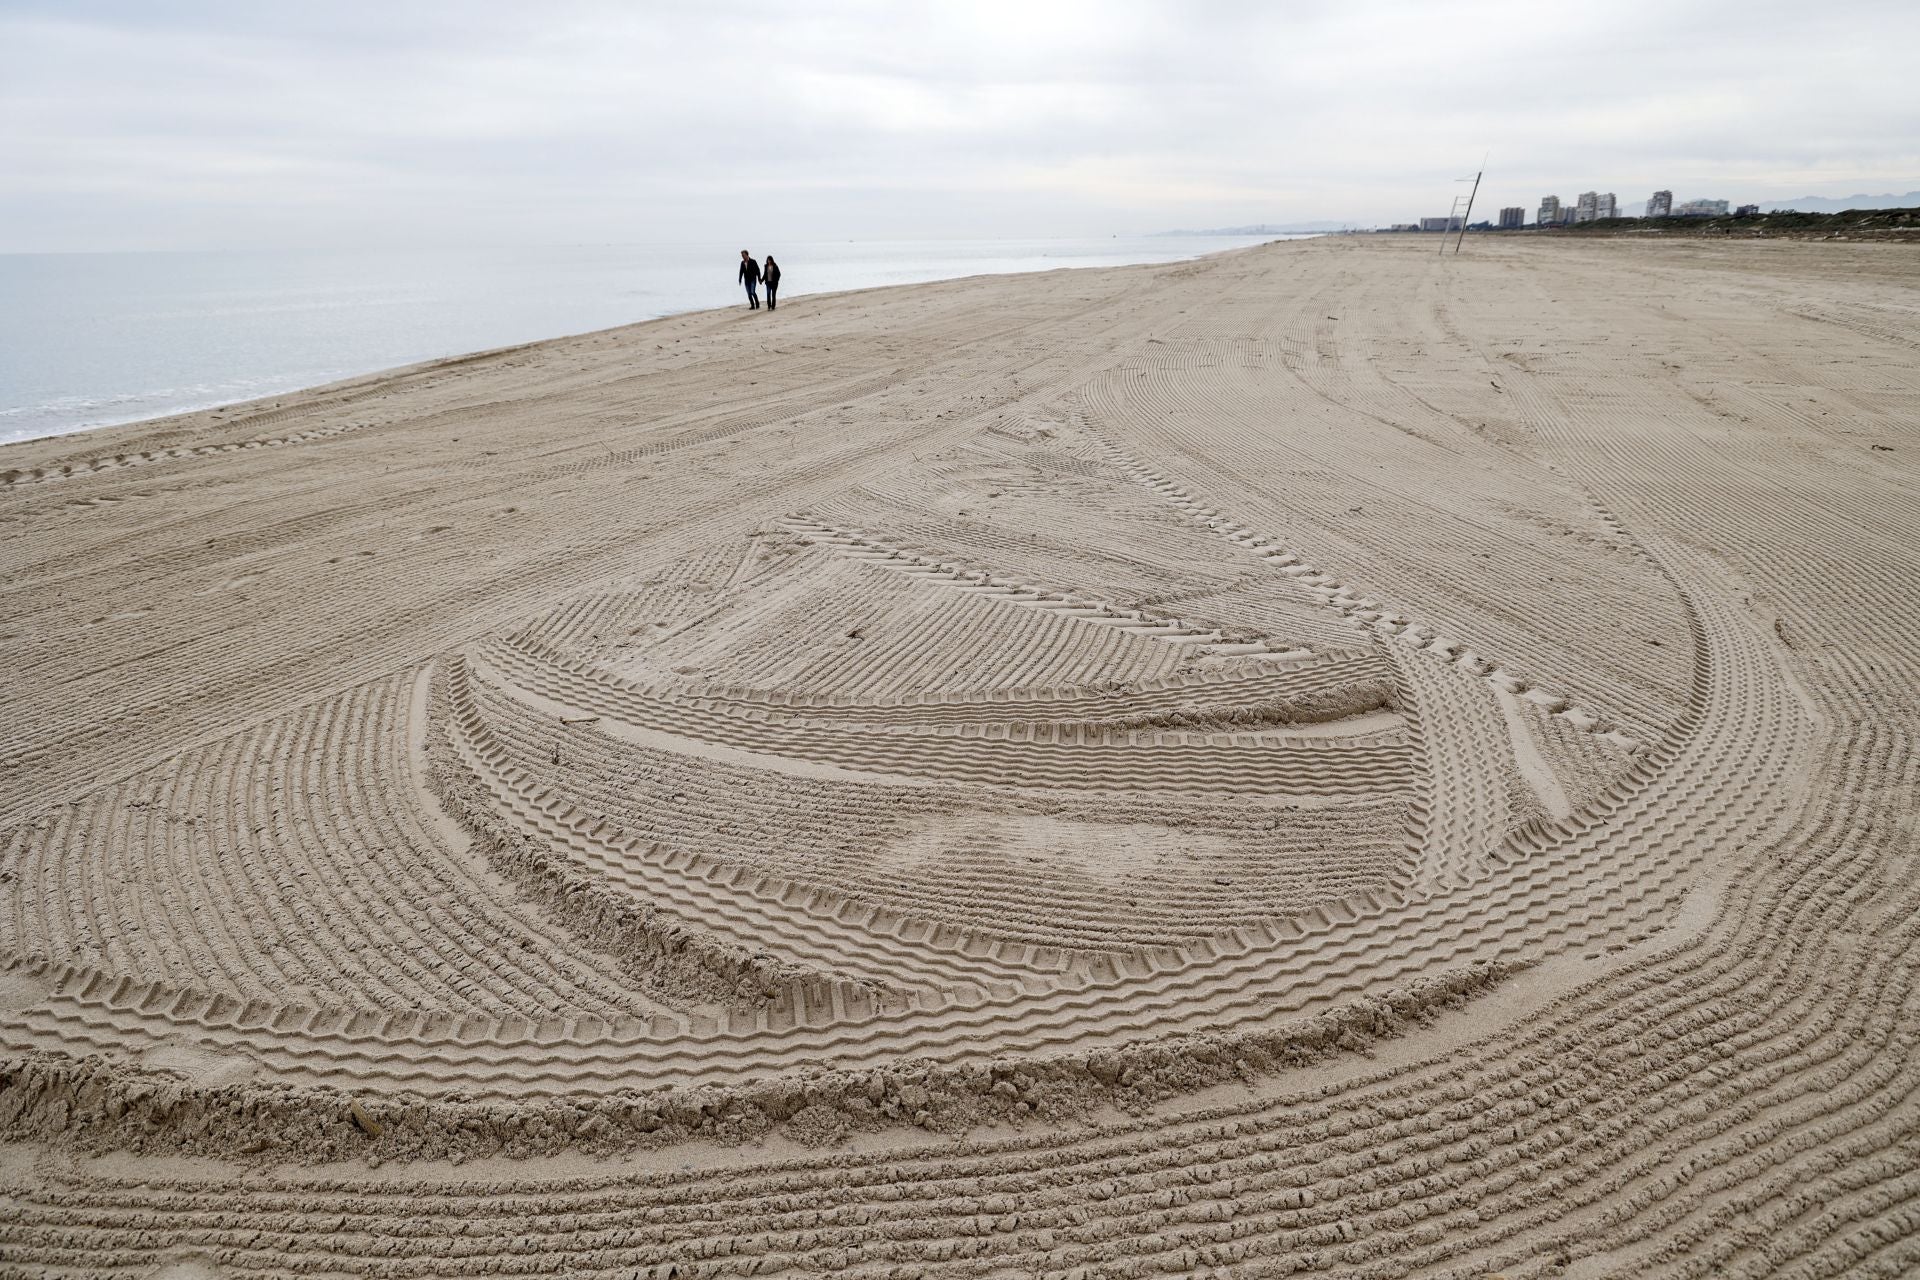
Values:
[(157, 125)]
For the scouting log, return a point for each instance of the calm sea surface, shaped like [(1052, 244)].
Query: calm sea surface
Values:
[(88, 340)]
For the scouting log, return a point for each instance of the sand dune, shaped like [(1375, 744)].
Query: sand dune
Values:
[(1326, 758)]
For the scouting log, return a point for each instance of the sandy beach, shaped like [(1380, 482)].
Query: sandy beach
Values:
[(1329, 757)]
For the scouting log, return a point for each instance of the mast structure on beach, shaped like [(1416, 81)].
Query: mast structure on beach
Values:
[(1462, 214), (1468, 214)]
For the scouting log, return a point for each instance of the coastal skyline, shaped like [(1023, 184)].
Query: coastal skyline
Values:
[(228, 126)]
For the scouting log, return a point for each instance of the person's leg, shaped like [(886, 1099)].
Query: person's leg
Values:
[(771, 290), (753, 299)]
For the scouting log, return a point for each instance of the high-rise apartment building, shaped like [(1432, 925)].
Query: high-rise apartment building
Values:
[(1513, 218), (1701, 209), (1440, 224), (1593, 205), (1549, 214), (1661, 205)]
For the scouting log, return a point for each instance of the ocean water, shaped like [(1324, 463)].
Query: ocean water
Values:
[(89, 340)]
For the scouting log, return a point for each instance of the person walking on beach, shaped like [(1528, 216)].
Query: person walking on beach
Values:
[(750, 276), (770, 277)]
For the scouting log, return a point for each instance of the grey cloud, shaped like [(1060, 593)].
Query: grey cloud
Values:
[(187, 125)]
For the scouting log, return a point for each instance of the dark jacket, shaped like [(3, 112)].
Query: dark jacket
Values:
[(749, 271), (772, 274)]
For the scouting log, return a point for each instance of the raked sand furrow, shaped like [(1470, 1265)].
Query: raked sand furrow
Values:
[(753, 913), (981, 702), (1068, 1037), (1559, 897)]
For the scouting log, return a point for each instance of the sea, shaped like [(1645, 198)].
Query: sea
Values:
[(93, 339)]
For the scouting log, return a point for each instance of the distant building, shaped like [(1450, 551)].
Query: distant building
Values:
[(1549, 215), (1440, 224), (1747, 211), (1661, 205), (1701, 209), (1592, 206), (1513, 218)]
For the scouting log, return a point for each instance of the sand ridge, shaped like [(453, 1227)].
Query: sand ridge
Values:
[(1010, 702)]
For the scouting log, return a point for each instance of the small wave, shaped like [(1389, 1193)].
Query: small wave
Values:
[(65, 415)]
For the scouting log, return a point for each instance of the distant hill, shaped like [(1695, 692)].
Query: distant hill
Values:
[(1819, 204)]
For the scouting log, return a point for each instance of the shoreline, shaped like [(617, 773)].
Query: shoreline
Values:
[(292, 388)]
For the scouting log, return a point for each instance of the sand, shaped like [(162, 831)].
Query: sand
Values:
[(1326, 758)]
